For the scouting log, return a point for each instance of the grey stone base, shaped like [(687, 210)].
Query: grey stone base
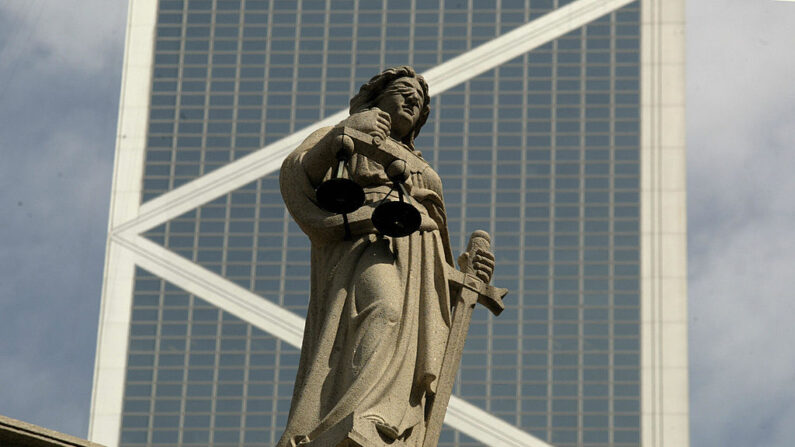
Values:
[(14, 433)]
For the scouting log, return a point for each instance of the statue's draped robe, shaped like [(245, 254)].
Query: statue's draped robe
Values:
[(379, 312)]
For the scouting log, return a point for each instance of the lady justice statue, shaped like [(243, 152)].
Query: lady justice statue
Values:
[(382, 300)]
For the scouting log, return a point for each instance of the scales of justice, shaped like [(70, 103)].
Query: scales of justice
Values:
[(388, 313)]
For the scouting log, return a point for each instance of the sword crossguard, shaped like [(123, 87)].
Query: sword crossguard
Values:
[(486, 295)]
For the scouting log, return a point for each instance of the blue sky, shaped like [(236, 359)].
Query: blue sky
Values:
[(60, 71)]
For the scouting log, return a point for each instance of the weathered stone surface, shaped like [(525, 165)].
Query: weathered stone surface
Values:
[(381, 307), (14, 433)]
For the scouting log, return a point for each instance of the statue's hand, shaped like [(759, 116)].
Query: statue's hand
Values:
[(481, 265), (374, 122)]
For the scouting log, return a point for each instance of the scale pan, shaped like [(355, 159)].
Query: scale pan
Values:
[(340, 195), (396, 219)]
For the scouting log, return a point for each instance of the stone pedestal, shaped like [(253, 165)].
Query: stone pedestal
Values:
[(14, 433)]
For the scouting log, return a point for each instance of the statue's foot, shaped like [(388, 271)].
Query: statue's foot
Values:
[(300, 440), (384, 429)]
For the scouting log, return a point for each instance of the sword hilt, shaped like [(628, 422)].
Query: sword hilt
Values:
[(488, 296), (478, 241)]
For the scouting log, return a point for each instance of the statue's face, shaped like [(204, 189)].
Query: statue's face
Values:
[(403, 102)]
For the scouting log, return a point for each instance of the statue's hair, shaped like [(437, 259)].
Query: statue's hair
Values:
[(370, 93)]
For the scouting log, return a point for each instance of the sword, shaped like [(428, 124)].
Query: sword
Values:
[(472, 291)]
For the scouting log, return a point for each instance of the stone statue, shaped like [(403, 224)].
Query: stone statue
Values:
[(383, 307)]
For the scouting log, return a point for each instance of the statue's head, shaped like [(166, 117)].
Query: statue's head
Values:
[(402, 93)]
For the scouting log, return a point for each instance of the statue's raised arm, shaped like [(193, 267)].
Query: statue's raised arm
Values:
[(381, 309)]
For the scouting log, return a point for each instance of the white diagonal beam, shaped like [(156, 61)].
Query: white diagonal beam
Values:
[(215, 289), (221, 181), (289, 327), (491, 431), (517, 42), (440, 78)]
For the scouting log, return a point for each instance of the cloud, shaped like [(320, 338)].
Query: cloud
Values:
[(53, 237), (42, 395), (59, 89), (741, 126), (739, 83), (743, 365), (81, 35)]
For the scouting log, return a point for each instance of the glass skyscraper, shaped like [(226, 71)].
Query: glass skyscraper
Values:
[(556, 125)]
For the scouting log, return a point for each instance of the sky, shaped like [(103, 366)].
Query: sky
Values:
[(60, 74)]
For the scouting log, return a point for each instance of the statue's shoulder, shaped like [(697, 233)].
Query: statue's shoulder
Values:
[(313, 139), (293, 159)]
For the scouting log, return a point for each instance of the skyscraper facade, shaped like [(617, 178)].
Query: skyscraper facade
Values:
[(556, 125)]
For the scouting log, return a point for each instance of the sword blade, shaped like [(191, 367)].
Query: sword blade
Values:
[(462, 316)]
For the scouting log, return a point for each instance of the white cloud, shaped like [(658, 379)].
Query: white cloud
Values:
[(55, 191), (740, 67), (58, 96), (743, 362), (46, 396), (741, 126), (81, 35)]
